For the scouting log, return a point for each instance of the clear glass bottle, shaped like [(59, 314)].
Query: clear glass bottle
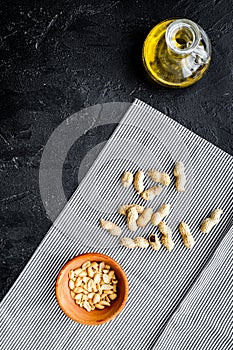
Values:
[(176, 53)]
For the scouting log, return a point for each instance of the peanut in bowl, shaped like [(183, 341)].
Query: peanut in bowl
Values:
[(100, 309)]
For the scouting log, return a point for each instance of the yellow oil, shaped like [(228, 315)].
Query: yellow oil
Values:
[(166, 66)]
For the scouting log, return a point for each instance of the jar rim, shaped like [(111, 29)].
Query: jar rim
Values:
[(193, 30)]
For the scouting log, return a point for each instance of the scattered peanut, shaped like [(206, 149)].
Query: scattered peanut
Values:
[(112, 228), (186, 235), (128, 243), (145, 217), (180, 176), (95, 291), (151, 193), (141, 242), (210, 222), (127, 179), (154, 242), (160, 214), (132, 216), (138, 242), (138, 181), (157, 176), (124, 208), (166, 238)]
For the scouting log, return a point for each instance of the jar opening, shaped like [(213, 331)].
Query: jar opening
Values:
[(182, 36)]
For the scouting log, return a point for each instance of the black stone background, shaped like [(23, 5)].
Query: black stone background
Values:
[(57, 57)]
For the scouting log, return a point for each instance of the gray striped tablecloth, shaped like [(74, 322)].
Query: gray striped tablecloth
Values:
[(178, 300)]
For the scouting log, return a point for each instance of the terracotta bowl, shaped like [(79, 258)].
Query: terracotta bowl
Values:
[(75, 312)]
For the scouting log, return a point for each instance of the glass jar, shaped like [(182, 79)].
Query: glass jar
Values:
[(176, 53)]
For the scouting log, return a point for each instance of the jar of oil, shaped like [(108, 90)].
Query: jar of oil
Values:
[(176, 53)]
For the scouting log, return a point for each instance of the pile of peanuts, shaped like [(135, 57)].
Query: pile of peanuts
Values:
[(138, 217), (93, 285)]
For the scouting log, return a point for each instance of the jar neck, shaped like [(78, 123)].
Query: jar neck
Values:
[(182, 37)]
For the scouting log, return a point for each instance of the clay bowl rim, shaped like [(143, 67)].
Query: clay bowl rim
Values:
[(89, 257)]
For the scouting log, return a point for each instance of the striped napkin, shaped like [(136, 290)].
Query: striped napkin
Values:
[(179, 299)]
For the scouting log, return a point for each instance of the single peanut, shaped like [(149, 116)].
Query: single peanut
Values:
[(163, 211), (127, 179), (138, 181), (71, 275), (151, 193), (166, 238), (210, 222), (90, 272), (71, 284), (112, 296), (105, 278), (157, 176), (186, 235), (154, 242), (96, 298), (145, 217), (180, 176), (87, 306), (124, 208), (128, 243), (77, 272), (132, 216), (97, 277), (86, 265), (112, 228), (141, 242)]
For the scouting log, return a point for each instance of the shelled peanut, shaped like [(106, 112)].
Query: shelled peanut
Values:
[(93, 285)]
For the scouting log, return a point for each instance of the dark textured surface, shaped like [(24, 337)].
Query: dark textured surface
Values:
[(59, 57)]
